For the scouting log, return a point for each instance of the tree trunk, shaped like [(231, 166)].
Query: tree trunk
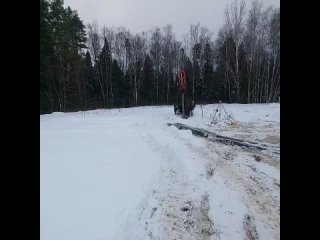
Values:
[(101, 87), (135, 90)]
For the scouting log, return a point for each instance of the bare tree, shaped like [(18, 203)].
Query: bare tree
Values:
[(251, 41), (109, 34), (274, 41), (235, 15), (122, 35), (93, 40), (199, 37), (95, 48), (138, 54), (168, 44), (155, 54)]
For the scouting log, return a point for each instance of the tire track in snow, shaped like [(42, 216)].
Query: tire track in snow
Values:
[(259, 191), (180, 215)]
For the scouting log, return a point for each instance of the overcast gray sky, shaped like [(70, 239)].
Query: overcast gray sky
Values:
[(142, 15)]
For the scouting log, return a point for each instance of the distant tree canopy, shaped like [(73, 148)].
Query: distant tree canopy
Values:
[(85, 68)]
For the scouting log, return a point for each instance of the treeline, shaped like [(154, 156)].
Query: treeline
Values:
[(87, 68)]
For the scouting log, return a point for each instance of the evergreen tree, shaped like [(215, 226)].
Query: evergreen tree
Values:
[(120, 88), (196, 57), (62, 37), (208, 87), (92, 88), (45, 52), (105, 72), (147, 92)]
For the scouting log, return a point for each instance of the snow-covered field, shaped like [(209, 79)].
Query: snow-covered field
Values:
[(124, 174)]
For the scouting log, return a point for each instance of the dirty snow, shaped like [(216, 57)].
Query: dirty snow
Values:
[(124, 174)]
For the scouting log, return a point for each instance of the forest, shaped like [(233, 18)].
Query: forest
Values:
[(92, 66)]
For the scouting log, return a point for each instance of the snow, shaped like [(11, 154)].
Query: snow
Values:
[(85, 168), (227, 205), (125, 174)]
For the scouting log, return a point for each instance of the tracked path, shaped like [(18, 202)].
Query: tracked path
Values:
[(211, 191)]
